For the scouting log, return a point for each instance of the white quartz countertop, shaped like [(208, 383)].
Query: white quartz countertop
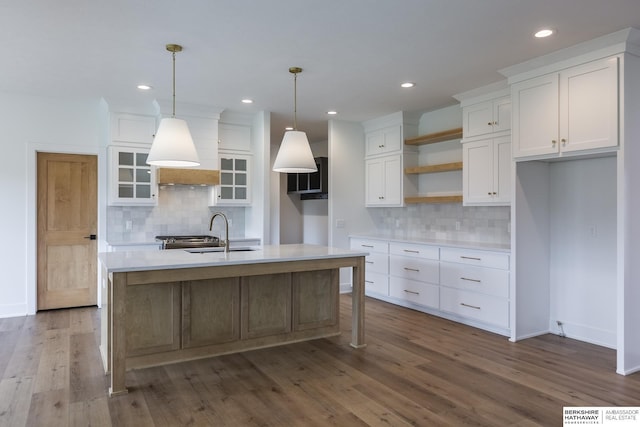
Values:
[(443, 243), (180, 258)]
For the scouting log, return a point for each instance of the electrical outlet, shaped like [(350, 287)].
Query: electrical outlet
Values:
[(230, 221), (457, 225), (340, 223), (128, 225)]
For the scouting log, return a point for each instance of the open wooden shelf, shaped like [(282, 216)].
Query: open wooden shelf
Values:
[(434, 199), (432, 138), (442, 167)]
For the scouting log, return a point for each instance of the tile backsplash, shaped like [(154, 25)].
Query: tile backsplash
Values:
[(482, 224), (181, 210)]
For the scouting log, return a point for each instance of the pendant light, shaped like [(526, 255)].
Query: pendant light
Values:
[(172, 145), (294, 155)]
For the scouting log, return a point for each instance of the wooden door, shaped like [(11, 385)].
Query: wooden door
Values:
[(67, 218)]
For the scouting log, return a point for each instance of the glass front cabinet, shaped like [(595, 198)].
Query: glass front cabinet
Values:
[(235, 181), (131, 180)]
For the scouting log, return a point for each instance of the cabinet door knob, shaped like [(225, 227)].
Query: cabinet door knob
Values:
[(494, 193), (564, 141), (381, 146), (489, 193), (489, 124), (553, 142)]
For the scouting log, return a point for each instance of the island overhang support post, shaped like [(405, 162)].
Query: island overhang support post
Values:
[(117, 305), (357, 305)]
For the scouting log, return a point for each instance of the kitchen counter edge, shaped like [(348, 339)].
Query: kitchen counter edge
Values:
[(496, 247), (129, 261)]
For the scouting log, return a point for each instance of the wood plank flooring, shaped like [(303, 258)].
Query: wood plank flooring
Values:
[(417, 370)]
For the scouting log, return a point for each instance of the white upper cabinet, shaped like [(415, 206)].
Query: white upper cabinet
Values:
[(384, 181), (132, 182), (135, 128), (382, 141), (234, 137), (235, 181), (486, 172), (386, 157), (486, 117), (573, 110)]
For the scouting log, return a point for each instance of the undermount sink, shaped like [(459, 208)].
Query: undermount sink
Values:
[(220, 249)]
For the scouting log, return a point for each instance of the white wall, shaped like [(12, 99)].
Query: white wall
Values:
[(583, 249), (258, 216), (31, 124), (347, 214), (315, 223)]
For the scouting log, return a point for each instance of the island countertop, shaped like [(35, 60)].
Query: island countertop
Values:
[(180, 258)]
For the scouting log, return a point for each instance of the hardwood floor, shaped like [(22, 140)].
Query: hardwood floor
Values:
[(416, 370)]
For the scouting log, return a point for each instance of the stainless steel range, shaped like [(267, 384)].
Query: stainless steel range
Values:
[(178, 242)]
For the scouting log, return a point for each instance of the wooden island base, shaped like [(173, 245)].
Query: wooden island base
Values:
[(157, 317)]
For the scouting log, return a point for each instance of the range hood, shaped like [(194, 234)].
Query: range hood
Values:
[(188, 176)]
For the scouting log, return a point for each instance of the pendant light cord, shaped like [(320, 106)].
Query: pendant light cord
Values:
[(295, 101), (173, 54)]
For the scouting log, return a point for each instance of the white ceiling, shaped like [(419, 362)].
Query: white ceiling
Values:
[(355, 53)]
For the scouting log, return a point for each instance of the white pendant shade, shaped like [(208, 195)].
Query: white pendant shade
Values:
[(173, 145), (294, 155)]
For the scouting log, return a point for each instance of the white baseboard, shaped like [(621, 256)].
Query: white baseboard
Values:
[(13, 310), (585, 333)]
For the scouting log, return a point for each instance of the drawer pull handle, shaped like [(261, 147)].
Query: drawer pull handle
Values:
[(412, 292), (470, 306), (470, 280), (470, 257), (369, 262), (367, 246), (411, 251), (368, 281), (412, 269)]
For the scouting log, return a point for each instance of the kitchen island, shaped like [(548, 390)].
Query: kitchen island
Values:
[(169, 306)]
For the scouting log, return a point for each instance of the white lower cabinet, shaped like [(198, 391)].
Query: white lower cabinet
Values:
[(414, 273), (475, 285), (414, 291), (375, 283), (475, 306), (466, 285), (376, 267)]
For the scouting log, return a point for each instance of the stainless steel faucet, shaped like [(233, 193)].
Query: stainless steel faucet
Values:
[(226, 229)]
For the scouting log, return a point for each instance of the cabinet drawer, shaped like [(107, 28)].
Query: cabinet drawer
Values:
[(377, 263), (375, 283), (423, 270), (484, 308), (416, 292), (489, 281), (369, 245), (476, 257), (414, 250)]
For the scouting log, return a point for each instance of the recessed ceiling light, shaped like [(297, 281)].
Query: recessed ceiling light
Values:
[(332, 113), (544, 32), (407, 84), (144, 87), (288, 128), (247, 101)]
